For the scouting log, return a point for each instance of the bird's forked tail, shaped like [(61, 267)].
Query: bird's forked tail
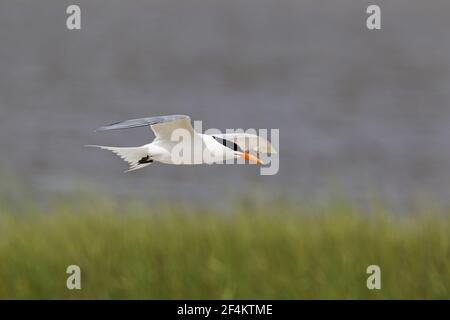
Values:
[(137, 157)]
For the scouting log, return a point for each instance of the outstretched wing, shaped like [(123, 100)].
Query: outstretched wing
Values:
[(248, 141), (162, 126)]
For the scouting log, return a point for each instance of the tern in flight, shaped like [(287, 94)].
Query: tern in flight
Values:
[(197, 148)]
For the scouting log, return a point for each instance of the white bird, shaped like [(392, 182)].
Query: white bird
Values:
[(190, 148)]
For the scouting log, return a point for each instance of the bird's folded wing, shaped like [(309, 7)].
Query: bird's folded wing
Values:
[(247, 141), (162, 126)]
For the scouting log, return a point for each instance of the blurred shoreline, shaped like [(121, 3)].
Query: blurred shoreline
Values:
[(128, 250)]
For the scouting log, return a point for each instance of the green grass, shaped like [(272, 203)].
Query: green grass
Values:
[(171, 252)]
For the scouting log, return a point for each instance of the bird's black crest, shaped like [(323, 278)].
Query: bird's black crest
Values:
[(227, 143)]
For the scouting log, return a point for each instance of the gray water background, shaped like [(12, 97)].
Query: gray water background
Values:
[(360, 112)]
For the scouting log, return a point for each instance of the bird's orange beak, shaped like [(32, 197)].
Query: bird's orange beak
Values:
[(249, 157)]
